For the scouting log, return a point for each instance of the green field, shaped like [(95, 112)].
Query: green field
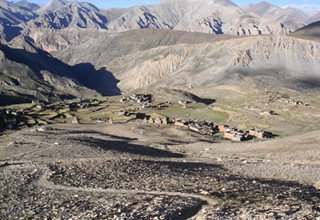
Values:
[(196, 111)]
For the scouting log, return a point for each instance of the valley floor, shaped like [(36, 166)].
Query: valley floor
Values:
[(140, 171)]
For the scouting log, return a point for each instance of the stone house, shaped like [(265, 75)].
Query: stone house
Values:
[(257, 133), (223, 128), (181, 123), (158, 121), (165, 121), (234, 136), (151, 121)]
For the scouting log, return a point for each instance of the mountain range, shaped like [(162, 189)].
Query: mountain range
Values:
[(67, 49), (207, 16)]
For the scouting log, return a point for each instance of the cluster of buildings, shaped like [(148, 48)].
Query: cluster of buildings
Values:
[(209, 128), (84, 103), (145, 101), (138, 98), (293, 102), (201, 127), (234, 134)]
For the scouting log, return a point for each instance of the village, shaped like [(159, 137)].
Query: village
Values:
[(209, 128), (139, 148), (202, 127), (13, 119)]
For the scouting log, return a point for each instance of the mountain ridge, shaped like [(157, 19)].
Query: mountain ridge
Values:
[(213, 16), (210, 62)]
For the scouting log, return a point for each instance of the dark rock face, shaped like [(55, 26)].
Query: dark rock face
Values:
[(32, 74)]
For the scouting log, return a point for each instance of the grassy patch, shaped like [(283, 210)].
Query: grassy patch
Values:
[(200, 112)]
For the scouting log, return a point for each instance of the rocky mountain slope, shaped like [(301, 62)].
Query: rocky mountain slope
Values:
[(27, 73), (160, 58), (207, 16), (213, 16), (58, 14), (13, 14), (289, 17), (62, 23), (24, 4)]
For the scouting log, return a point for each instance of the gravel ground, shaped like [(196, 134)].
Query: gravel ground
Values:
[(239, 196), (82, 162), (21, 198)]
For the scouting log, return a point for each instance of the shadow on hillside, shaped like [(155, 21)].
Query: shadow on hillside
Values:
[(10, 100), (123, 146), (102, 80), (11, 31), (204, 101), (195, 98), (312, 83), (58, 131)]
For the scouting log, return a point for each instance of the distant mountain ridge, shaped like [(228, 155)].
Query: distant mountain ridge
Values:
[(207, 16), (59, 14)]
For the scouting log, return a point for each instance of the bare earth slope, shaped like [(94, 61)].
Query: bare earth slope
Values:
[(167, 58), (312, 32)]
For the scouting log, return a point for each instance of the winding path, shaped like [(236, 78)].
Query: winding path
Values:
[(45, 183)]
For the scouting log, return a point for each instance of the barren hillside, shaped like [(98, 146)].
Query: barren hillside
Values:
[(213, 16), (311, 32), (153, 57)]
